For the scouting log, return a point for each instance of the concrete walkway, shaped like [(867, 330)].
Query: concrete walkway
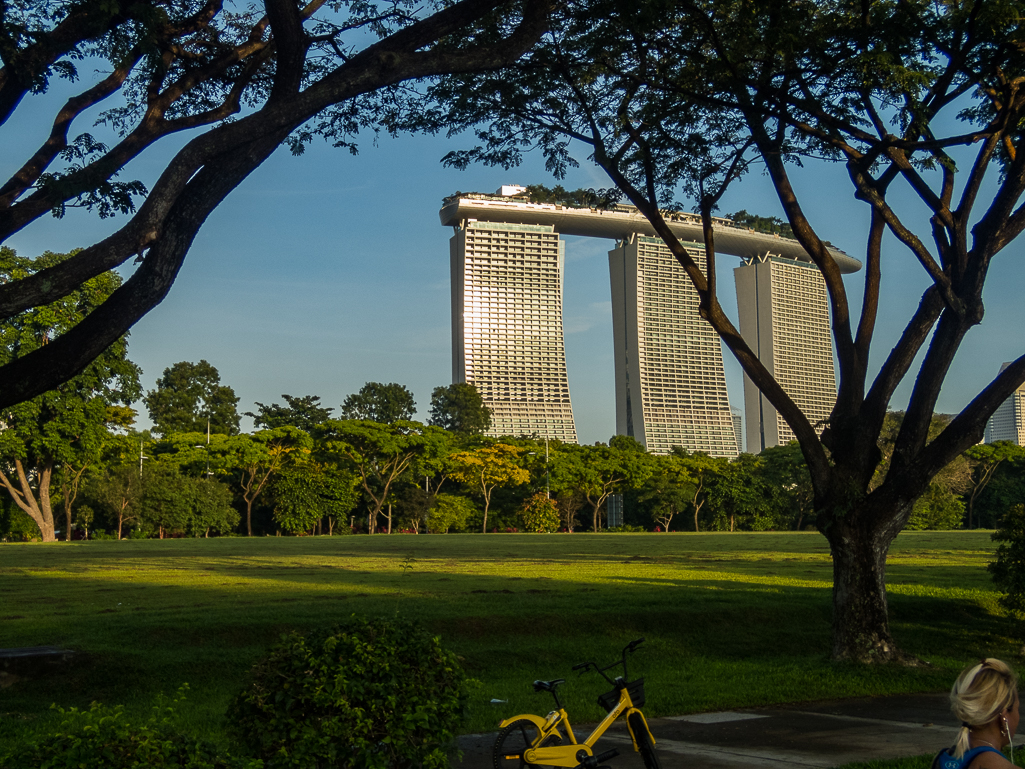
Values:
[(811, 734)]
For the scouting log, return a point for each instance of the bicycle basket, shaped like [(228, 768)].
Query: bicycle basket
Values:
[(609, 700)]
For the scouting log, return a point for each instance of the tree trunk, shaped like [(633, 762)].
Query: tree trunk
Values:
[(24, 496), (861, 628), (249, 517), (389, 517)]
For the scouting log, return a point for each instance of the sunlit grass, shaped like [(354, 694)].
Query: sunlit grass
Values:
[(732, 620)]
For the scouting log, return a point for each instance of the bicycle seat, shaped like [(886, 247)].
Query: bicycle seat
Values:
[(548, 686)]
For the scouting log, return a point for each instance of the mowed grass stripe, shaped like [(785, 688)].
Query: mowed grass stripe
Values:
[(732, 620)]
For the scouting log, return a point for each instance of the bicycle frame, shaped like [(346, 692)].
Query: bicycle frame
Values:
[(570, 754)]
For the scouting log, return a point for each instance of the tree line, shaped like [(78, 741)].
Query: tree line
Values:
[(74, 468)]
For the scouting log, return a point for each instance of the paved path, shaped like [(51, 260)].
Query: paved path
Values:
[(811, 734)]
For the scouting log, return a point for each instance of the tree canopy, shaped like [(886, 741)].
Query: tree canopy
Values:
[(64, 427), (237, 82), (460, 408), (304, 412), (377, 402), (189, 397)]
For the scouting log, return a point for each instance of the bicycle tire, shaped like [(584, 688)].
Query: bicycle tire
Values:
[(644, 743), (513, 740)]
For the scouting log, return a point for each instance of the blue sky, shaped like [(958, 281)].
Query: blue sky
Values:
[(323, 272)]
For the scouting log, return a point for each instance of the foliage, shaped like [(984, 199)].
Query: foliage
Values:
[(771, 224), (449, 513), (304, 412), (668, 490), (581, 198), (306, 491), (366, 694), (1008, 569), (383, 403), (460, 409), (379, 454), (938, 508), (189, 397), (540, 514), (984, 461), (597, 471), (238, 81), (486, 468), (741, 497), (105, 738), (68, 425)]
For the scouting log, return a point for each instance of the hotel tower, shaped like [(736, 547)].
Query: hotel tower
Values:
[(670, 384), (1008, 421), (784, 318), (507, 336)]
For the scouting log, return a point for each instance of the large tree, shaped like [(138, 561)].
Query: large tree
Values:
[(916, 100), (379, 454), (241, 79), (189, 398), (62, 430), (377, 402), (460, 408), (486, 468), (304, 412)]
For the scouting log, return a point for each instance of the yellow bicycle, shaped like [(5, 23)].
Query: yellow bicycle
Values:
[(528, 741)]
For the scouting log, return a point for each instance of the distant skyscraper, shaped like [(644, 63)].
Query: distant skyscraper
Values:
[(1008, 421), (738, 428), (507, 336), (670, 385), (784, 317)]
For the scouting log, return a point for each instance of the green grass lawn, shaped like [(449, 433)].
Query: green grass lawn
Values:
[(732, 620)]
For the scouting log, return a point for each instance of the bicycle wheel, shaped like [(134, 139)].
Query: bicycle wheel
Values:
[(512, 741), (644, 743)]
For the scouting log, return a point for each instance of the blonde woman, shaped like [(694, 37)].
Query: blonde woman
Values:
[(985, 701)]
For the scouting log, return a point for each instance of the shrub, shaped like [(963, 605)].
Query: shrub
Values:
[(366, 694), (449, 512), (104, 738), (540, 514), (1008, 569)]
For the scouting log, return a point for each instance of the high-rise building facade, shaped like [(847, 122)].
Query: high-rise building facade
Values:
[(784, 317), (670, 384), (1008, 421), (507, 268), (507, 335)]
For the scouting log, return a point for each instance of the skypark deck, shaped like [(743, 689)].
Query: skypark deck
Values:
[(620, 222)]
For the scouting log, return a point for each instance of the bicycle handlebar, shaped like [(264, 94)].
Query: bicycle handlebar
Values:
[(630, 647)]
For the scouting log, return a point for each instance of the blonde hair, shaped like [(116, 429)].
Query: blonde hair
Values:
[(979, 695)]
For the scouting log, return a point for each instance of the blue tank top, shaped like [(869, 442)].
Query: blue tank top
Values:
[(946, 761)]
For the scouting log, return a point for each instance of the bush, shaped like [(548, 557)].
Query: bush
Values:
[(366, 694), (104, 738), (540, 514), (449, 512), (1008, 569)]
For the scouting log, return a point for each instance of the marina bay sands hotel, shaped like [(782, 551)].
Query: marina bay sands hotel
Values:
[(507, 260)]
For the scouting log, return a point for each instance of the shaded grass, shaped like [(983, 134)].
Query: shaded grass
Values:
[(732, 620)]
